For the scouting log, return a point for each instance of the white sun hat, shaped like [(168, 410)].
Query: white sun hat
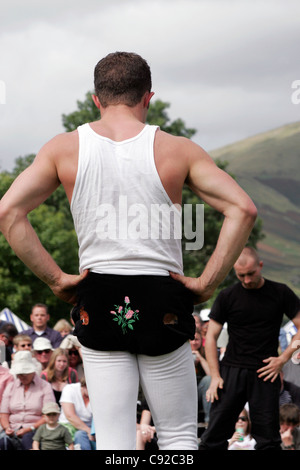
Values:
[(23, 363)]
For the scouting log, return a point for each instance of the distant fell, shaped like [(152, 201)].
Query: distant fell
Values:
[(267, 166)]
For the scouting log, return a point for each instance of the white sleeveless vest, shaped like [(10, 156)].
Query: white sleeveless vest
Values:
[(124, 219)]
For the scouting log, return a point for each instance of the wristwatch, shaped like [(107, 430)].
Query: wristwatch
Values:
[(32, 428)]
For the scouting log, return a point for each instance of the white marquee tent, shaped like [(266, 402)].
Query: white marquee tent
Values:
[(10, 317)]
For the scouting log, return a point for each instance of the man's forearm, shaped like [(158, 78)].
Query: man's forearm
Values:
[(211, 353), (233, 236)]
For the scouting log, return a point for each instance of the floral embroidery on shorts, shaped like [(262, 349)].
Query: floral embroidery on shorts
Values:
[(125, 316), (84, 316)]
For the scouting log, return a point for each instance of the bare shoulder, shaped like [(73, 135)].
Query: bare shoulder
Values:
[(163, 138), (181, 147), (59, 157), (65, 143), (173, 157)]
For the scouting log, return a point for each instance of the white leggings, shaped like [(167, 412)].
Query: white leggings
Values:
[(169, 385)]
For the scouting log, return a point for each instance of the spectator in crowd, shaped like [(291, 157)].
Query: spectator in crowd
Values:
[(146, 438), (291, 369), (39, 318), (7, 333), (76, 414), (52, 435), (204, 319), (202, 374), (286, 334), (22, 342), (42, 349), (5, 378), (197, 320), (4, 337), (242, 439), (289, 426), (73, 347), (58, 372), (63, 327), (11, 330), (22, 403), (4, 349)]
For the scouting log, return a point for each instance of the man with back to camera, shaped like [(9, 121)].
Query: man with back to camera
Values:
[(134, 306), (249, 370)]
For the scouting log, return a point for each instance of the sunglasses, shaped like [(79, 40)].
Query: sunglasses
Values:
[(242, 418), (46, 351), (73, 353)]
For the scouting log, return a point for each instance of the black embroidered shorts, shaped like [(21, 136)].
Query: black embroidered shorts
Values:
[(141, 314)]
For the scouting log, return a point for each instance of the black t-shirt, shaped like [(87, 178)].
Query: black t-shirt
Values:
[(254, 318)]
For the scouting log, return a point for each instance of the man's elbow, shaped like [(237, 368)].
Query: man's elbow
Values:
[(248, 213), (8, 216), (252, 211), (4, 214)]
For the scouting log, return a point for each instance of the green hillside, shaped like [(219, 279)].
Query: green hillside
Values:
[(267, 166)]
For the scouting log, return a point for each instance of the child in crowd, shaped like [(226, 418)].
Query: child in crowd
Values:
[(23, 342), (242, 439), (289, 426), (52, 435), (64, 327)]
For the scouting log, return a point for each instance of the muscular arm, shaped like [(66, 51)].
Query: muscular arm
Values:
[(29, 190), (220, 191)]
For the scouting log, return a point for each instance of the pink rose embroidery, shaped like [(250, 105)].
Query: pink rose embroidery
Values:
[(125, 316), (129, 314)]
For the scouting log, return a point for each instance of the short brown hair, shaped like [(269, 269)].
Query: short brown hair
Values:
[(289, 414), (122, 78)]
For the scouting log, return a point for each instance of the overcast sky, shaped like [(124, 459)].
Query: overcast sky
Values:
[(225, 66)]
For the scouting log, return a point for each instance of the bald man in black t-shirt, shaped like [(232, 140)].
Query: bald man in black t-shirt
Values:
[(249, 371)]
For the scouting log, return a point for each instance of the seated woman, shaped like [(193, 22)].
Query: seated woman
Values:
[(76, 414), (22, 403), (58, 372)]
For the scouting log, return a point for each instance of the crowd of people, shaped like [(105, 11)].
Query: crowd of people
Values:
[(44, 400)]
